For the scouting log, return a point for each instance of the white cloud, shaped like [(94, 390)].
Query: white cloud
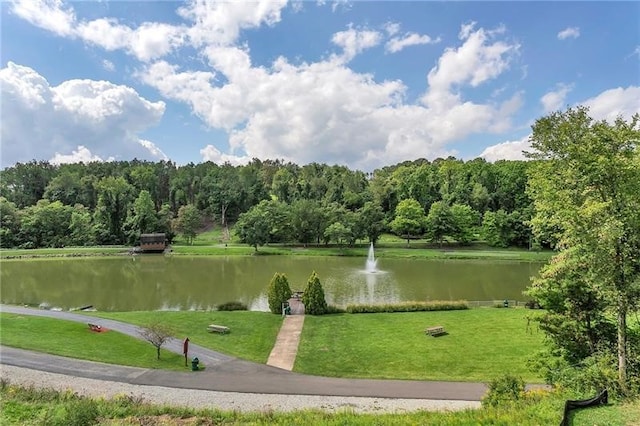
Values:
[(510, 150), (326, 112), (220, 22), (41, 121), (354, 41), (569, 32), (50, 15), (80, 155), (555, 99), (211, 153), (392, 28), (608, 105), (614, 103), (396, 44)]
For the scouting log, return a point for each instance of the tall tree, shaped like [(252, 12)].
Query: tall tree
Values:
[(188, 222), (589, 182), (440, 222), (114, 198), (409, 220)]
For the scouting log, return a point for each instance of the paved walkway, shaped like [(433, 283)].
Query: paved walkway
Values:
[(284, 352), (225, 373)]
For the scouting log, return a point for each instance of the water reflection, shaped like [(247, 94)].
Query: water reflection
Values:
[(201, 283)]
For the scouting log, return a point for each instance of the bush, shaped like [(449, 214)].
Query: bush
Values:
[(313, 297), (233, 306), (278, 292), (408, 307), (504, 390), (332, 309)]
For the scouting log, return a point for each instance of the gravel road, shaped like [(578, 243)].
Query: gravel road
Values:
[(244, 402)]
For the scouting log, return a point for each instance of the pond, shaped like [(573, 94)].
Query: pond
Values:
[(157, 282)]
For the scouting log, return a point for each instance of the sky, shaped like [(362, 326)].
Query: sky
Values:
[(363, 84)]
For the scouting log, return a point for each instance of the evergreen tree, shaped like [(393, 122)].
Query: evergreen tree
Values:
[(313, 297), (278, 292)]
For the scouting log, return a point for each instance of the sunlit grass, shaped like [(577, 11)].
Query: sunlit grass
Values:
[(481, 344), (75, 340)]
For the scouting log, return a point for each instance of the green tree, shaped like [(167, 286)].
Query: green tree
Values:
[(188, 222), (337, 232), (9, 224), (81, 227), (496, 229), (465, 221), (143, 219), (409, 218), (254, 227), (440, 222), (589, 182), (47, 224), (372, 220), (278, 292), (114, 199), (313, 297)]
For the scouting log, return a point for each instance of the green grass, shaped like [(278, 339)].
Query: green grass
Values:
[(75, 340), (481, 344), (627, 413), (252, 335)]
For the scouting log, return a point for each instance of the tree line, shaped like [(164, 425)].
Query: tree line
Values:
[(46, 205)]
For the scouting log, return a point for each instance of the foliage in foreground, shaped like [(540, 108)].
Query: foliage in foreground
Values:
[(436, 305), (232, 306), (585, 194), (30, 405)]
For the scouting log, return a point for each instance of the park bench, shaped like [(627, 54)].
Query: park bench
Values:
[(94, 327), (213, 328), (435, 331)]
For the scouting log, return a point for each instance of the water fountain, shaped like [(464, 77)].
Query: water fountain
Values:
[(371, 266)]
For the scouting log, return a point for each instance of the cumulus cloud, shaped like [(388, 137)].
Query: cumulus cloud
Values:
[(608, 105), (213, 154), (354, 41), (614, 103), (80, 155), (569, 32), (510, 150), (50, 15), (78, 118), (324, 111), (555, 99)]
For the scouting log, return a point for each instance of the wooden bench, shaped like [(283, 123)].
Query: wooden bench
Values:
[(213, 328), (435, 331)]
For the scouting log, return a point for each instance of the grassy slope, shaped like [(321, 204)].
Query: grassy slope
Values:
[(73, 339), (482, 344), (252, 335)]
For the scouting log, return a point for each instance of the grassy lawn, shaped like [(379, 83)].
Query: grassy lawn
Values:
[(252, 335), (75, 340), (66, 251), (482, 344)]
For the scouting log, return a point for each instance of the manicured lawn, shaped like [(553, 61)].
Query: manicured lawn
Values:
[(66, 251), (481, 344), (252, 335), (75, 340)]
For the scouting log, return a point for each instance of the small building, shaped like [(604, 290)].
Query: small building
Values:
[(153, 242)]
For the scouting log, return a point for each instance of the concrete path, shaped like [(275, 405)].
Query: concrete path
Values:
[(225, 373), (283, 354)]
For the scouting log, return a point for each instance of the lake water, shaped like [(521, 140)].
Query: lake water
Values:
[(157, 282)]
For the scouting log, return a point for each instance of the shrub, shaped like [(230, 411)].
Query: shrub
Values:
[(332, 309), (278, 292), (233, 306), (313, 297), (504, 390), (408, 307)]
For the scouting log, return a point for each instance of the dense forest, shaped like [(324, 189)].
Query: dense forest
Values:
[(446, 200)]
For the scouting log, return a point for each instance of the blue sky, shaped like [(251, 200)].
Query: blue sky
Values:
[(359, 83)]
